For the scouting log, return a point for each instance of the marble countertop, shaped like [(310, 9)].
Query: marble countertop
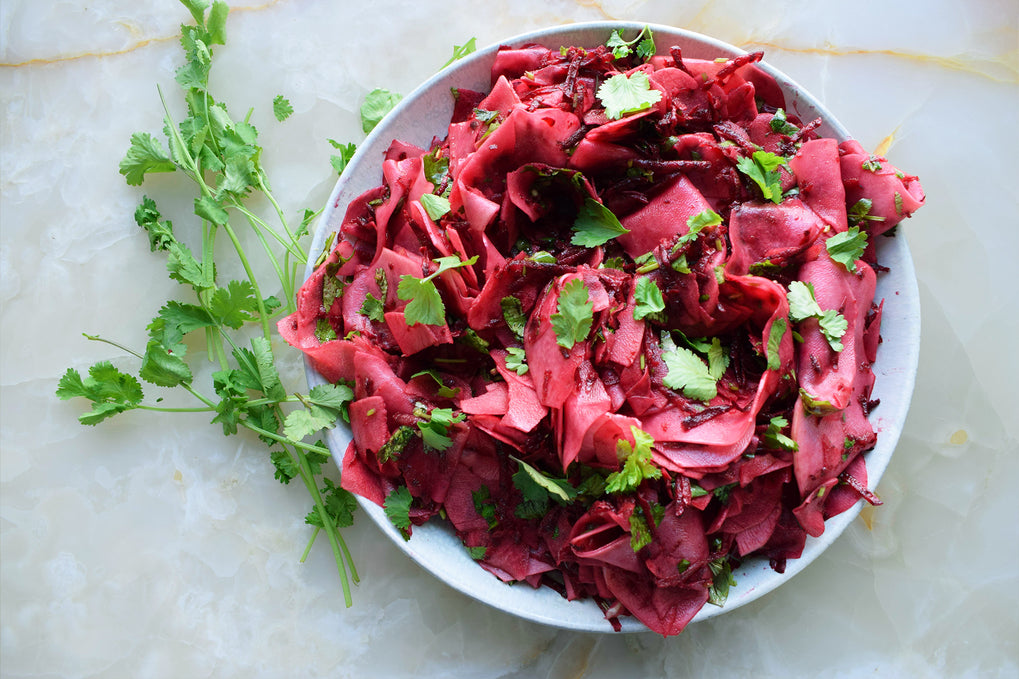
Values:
[(152, 546)]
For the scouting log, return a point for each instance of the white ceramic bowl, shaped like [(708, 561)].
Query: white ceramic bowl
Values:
[(425, 114)]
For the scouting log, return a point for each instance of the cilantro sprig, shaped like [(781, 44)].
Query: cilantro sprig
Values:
[(762, 167), (425, 304), (622, 94), (221, 157), (572, 322), (644, 41), (803, 305)]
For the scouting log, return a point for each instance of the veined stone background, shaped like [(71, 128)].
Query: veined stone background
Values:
[(152, 546)]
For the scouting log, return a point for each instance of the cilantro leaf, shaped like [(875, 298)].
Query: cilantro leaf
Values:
[(372, 308), (425, 304), (847, 247), (572, 322), (460, 51), (110, 390), (513, 314), (803, 305), (762, 168), (308, 420), (780, 124), (516, 360), (687, 372), (718, 359), (235, 304), (640, 533), (162, 368), (144, 155), (595, 225), (648, 297), (801, 301), (339, 505), (622, 48), (775, 335), (721, 572), (833, 326), (622, 94), (281, 108), (397, 509), (160, 232), (775, 439), (339, 162), (637, 465), (435, 206), (376, 105), (558, 489), (435, 431)]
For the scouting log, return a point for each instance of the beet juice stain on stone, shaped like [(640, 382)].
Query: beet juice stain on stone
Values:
[(568, 317)]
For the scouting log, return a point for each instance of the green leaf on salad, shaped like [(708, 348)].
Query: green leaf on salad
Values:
[(775, 335), (847, 247), (637, 464), (774, 438), (513, 314), (435, 206), (622, 94), (648, 298), (516, 360), (397, 510), (575, 315), (595, 225), (689, 374), (762, 168), (780, 124)]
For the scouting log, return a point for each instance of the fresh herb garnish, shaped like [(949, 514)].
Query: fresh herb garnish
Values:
[(425, 305), (780, 124), (645, 48), (687, 372), (397, 510), (637, 464), (762, 167), (222, 157), (648, 298), (281, 108), (847, 247), (572, 322), (595, 225), (622, 94), (516, 360)]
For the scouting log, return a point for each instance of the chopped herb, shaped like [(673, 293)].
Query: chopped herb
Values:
[(637, 464), (778, 328), (622, 94), (762, 167), (425, 304), (860, 212), (687, 372), (397, 509), (648, 298), (516, 360), (775, 439), (572, 322), (847, 247), (513, 314), (780, 124), (595, 225)]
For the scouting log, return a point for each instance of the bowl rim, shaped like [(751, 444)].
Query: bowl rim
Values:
[(586, 616)]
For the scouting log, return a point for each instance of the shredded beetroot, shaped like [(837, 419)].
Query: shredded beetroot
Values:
[(529, 461)]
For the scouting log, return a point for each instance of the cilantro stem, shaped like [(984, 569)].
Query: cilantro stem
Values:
[(161, 409), (97, 338), (283, 439), (307, 549), (259, 301)]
